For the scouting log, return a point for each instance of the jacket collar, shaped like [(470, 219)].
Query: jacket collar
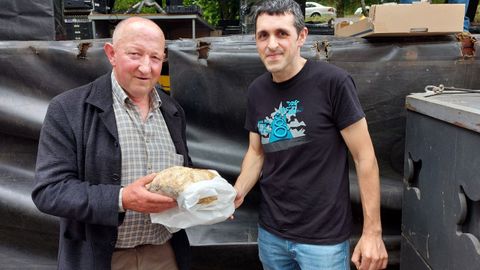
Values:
[(101, 93), (167, 107), (101, 97)]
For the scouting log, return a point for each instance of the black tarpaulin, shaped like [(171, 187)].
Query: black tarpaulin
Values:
[(31, 20), (212, 89), (210, 83)]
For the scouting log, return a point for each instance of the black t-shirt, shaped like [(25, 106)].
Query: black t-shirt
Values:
[(305, 190)]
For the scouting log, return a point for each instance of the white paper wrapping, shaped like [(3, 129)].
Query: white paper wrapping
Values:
[(189, 213)]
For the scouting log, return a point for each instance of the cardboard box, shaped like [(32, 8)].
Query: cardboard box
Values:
[(417, 19)]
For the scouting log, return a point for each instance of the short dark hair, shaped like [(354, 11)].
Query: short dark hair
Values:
[(280, 7)]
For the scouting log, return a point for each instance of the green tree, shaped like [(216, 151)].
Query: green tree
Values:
[(215, 10)]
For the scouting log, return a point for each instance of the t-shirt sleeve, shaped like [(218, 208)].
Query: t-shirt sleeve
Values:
[(346, 105), (250, 123)]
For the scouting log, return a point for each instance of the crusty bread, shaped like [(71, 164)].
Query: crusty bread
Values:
[(172, 181)]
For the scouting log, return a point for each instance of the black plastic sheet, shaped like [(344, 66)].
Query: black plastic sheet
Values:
[(32, 20), (211, 83)]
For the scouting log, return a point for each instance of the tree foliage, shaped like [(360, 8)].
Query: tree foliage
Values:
[(215, 10)]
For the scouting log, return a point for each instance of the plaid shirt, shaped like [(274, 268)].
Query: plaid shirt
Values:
[(146, 147)]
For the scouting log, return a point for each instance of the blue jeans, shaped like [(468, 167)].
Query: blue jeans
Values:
[(466, 20), (280, 254)]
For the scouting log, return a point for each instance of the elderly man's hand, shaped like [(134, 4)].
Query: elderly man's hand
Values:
[(136, 197)]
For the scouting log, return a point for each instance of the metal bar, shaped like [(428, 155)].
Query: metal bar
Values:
[(193, 28)]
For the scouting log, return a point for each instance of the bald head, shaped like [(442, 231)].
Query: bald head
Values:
[(136, 25), (136, 54)]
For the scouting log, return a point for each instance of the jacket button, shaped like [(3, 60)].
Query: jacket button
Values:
[(112, 243), (116, 144), (116, 177)]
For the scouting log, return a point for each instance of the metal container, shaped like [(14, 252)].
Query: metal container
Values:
[(441, 200)]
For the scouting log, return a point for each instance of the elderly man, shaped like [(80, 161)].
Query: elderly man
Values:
[(99, 145)]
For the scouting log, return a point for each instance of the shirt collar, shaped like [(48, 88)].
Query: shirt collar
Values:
[(122, 97)]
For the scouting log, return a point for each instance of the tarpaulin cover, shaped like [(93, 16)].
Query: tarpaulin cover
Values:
[(210, 82), (31, 20)]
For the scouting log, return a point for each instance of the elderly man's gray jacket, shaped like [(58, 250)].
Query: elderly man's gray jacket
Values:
[(78, 173)]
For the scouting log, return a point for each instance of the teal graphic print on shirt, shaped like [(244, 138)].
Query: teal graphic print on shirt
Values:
[(282, 124)]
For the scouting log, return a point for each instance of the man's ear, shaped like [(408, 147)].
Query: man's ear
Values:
[(110, 52), (302, 36)]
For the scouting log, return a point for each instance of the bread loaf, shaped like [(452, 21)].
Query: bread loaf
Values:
[(172, 181)]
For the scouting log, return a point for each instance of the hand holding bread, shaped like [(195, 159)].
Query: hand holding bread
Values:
[(172, 181)]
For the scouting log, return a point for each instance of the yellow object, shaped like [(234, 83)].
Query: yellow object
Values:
[(165, 82)]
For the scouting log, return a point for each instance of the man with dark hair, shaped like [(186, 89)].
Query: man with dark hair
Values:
[(304, 117), (99, 146)]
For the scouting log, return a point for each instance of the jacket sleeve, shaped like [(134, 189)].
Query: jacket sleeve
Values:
[(58, 187)]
